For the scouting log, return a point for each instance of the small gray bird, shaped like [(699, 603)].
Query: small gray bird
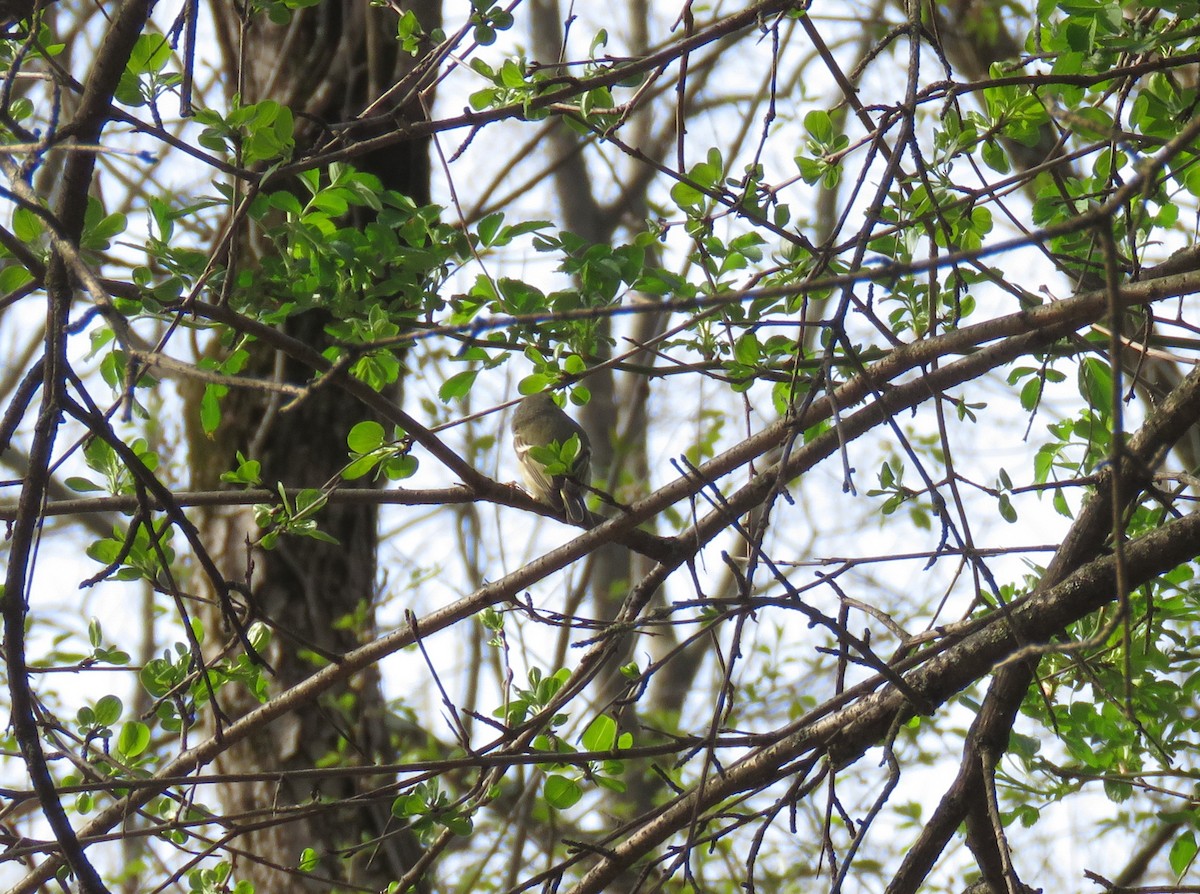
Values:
[(538, 422)]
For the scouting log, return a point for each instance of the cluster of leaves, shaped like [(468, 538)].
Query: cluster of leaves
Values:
[(518, 82), (180, 692)]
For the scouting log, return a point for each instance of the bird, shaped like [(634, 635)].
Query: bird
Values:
[(538, 422)]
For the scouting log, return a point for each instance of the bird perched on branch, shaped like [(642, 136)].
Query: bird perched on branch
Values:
[(554, 453)]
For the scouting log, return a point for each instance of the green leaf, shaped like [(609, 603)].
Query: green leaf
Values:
[(409, 32), (397, 468), (1059, 502), (1031, 394), (613, 785), (571, 449), (310, 499), (360, 467), (27, 225), (13, 278), (1183, 852), (687, 197), (99, 229), (747, 350), (489, 227), (561, 792), (534, 384), (82, 485), (108, 710), (134, 738), (210, 407), (483, 99), (457, 823), (1096, 384), (994, 157), (512, 74), (366, 436), (247, 474), (458, 385), (819, 126), (600, 735), (150, 53), (1007, 512)]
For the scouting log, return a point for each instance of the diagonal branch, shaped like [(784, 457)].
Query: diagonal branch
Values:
[(846, 734), (991, 727)]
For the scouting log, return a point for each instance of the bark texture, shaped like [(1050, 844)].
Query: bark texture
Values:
[(328, 64)]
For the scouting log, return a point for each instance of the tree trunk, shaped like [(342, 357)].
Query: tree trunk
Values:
[(328, 64)]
